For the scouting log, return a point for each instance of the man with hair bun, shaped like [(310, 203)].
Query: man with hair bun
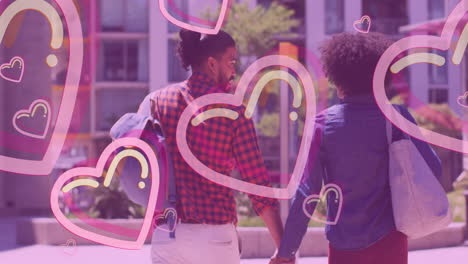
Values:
[(206, 232)]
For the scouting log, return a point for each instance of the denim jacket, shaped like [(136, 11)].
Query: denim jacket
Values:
[(350, 149)]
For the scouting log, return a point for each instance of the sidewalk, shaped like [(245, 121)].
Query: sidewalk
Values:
[(103, 254), (10, 253)]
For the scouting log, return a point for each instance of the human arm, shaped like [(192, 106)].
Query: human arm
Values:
[(252, 169)]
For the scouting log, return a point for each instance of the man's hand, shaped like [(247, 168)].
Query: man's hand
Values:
[(280, 260), (272, 220)]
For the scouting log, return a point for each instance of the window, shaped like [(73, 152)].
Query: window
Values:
[(124, 15), (124, 60), (176, 73), (438, 74), (438, 95), (436, 9), (111, 104), (334, 16)]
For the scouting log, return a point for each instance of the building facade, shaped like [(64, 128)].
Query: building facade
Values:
[(130, 51)]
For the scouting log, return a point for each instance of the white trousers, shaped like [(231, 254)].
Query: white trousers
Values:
[(196, 244)]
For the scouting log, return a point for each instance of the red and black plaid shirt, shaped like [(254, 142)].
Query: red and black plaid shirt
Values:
[(221, 144)]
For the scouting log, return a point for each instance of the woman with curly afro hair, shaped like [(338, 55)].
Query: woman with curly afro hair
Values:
[(350, 151)]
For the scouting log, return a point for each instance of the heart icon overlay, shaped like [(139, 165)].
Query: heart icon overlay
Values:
[(461, 100), (329, 193), (363, 25), (236, 99), (134, 148), (67, 10), (13, 71), (414, 44), (39, 109), (69, 248), (162, 220), (225, 6)]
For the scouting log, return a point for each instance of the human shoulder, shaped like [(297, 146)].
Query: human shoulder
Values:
[(172, 89)]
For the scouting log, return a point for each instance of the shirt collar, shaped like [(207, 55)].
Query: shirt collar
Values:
[(201, 84), (359, 99)]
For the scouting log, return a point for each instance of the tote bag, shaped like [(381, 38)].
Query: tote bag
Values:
[(420, 205)]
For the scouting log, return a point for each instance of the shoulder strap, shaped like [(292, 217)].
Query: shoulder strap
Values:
[(171, 195), (389, 125), (389, 129)]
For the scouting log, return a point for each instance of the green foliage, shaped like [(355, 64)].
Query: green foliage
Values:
[(254, 29)]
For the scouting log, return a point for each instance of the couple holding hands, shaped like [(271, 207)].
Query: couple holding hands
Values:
[(349, 149)]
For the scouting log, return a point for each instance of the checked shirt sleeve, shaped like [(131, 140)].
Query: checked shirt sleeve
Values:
[(250, 162)]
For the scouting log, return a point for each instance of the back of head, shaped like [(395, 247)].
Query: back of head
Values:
[(349, 60), (193, 49)]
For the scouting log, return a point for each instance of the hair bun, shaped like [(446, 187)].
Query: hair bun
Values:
[(189, 37), (188, 47)]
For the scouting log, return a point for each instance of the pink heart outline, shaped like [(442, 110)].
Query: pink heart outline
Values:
[(419, 41), (324, 194), (97, 173), (361, 22), (164, 215), (75, 63), (461, 100), (184, 15), (10, 65), (208, 31), (236, 99), (32, 109)]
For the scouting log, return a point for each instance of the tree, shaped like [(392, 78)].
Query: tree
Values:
[(255, 29)]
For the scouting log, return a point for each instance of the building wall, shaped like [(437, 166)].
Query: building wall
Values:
[(316, 20), (23, 194)]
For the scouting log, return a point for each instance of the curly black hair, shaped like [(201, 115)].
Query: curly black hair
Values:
[(349, 60)]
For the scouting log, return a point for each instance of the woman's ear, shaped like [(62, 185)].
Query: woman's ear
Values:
[(340, 93)]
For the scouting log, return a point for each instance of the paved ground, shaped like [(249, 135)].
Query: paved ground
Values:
[(39, 254), (104, 255)]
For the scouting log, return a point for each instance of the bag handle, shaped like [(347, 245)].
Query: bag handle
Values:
[(389, 126)]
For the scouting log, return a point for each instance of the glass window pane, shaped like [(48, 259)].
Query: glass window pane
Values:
[(111, 64), (111, 104), (112, 15), (438, 74), (438, 96), (334, 16), (137, 16), (175, 70), (137, 61), (436, 9)]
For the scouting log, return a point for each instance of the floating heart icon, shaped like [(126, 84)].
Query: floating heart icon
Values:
[(13, 71), (462, 100), (31, 114), (70, 248), (60, 186), (169, 215), (236, 99), (363, 25), (416, 42), (320, 199), (209, 31), (75, 37)]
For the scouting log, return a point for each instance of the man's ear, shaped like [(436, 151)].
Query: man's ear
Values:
[(212, 64)]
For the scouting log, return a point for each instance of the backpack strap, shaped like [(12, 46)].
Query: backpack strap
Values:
[(171, 194)]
